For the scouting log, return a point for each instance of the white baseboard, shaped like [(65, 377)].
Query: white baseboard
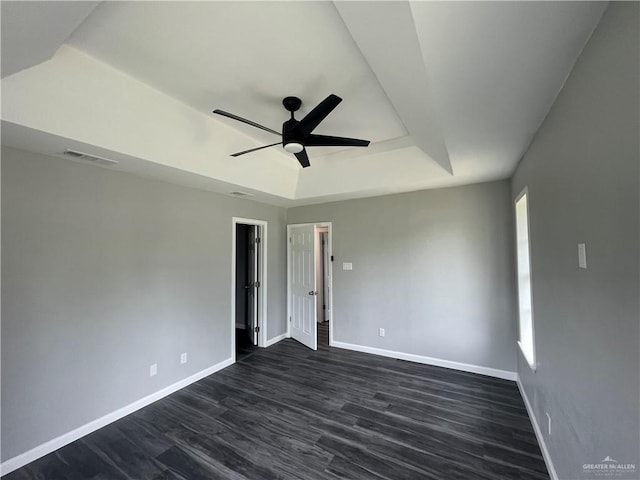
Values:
[(18, 461), (275, 340), (536, 428), (465, 367)]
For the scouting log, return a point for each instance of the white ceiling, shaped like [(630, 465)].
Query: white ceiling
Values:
[(244, 57), (53, 22), (449, 93)]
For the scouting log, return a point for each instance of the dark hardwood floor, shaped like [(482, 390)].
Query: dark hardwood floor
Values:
[(244, 345), (287, 412), (323, 336)]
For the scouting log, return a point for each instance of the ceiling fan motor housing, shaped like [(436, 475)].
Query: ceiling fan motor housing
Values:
[(292, 104), (292, 140)]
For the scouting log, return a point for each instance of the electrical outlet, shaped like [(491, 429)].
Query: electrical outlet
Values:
[(381, 332), (153, 370), (549, 422), (183, 358)]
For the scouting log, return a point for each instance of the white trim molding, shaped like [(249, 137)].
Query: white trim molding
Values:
[(41, 450), (536, 428), (464, 367), (275, 340)]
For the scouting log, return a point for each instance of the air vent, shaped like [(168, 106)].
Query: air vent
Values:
[(238, 193), (85, 157)]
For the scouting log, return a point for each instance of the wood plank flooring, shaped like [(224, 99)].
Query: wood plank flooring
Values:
[(323, 336), (287, 412), (244, 346)]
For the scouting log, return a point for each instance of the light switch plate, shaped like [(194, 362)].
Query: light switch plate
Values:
[(582, 255), (347, 266)]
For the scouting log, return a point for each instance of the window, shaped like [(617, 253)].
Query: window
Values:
[(523, 249)]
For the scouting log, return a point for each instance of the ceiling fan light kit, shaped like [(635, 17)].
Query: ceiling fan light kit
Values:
[(297, 134), (293, 147)]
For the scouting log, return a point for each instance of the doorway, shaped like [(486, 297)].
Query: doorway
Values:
[(309, 278), (248, 287), (322, 285)]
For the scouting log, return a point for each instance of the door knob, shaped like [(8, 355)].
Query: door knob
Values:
[(313, 293)]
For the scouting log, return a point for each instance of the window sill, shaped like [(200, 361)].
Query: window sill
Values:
[(531, 363)]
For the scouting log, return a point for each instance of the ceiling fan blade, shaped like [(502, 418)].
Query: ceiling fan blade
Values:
[(244, 120), (329, 141), (303, 158), (315, 116), (254, 149)]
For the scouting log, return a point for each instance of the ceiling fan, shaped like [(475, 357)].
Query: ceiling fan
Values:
[(296, 134)]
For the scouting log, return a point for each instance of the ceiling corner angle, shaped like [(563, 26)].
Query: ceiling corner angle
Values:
[(409, 93)]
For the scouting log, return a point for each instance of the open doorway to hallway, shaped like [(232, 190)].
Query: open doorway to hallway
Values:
[(322, 286), (247, 291), (248, 287)]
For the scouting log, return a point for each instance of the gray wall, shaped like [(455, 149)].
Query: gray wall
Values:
[(103, 274), (434, 268), (582, 173)]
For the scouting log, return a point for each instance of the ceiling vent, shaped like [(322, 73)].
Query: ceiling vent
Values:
[(238, 193), (85, 157)]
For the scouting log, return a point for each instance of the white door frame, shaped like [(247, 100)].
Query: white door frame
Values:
[(262, 278), (330, 253)]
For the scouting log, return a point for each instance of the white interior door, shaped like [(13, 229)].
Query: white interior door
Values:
[(253, 284), (319, 276), (327, 282), (302, 284)]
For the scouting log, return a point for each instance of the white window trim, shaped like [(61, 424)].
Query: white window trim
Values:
[(533, 365), (531, 362)]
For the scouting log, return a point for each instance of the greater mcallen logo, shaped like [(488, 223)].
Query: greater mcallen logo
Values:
[(609, 466)]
